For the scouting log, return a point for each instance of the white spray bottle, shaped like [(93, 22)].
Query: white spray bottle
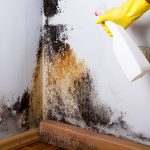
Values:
[(129, 56)]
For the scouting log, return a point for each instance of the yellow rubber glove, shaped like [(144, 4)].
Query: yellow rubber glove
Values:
[(125, 15)]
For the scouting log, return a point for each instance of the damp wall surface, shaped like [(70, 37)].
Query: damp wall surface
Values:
[(100, 97), (19, 40)]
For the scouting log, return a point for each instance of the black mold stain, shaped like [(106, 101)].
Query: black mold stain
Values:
[(15, 119), (23, 103), (83, 95), (51, 7), (119, 122), (59, 109), (40, 48), (8, 122), (54, 43), (54, 40), (86, 95), (22, 107)]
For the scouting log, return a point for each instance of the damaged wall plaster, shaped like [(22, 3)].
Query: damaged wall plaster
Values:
[(78, 88)]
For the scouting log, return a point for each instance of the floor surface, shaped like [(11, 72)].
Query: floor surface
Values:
[(40, 146)]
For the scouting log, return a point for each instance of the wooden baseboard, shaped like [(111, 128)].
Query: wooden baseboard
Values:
[(20, 140), (73, 138)]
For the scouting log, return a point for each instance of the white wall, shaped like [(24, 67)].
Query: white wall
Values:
[(20, 22), (92, 44)]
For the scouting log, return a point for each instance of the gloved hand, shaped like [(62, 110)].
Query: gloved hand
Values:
[(125, 15)]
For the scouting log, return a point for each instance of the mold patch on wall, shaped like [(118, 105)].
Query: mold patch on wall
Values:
[(21, 110), (54, 40), (71, 97), (69, 91), (15, 118), (51, 7)]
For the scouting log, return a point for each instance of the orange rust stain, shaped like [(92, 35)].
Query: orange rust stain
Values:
[(59, 86), (65, 65)]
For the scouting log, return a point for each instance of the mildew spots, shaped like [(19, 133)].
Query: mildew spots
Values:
[(51, 7), (54, 40), (15, 119), (22, 110), (69, 89)]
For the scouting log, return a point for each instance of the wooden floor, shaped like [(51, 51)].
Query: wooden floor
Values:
[(40, 146)]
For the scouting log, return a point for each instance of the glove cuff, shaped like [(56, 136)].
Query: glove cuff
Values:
[(135, 8)]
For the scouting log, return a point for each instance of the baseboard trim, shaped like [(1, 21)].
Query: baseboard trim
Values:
[(73, 138), (20, 140)]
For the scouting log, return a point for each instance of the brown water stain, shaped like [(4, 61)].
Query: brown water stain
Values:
[(36, 95)]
